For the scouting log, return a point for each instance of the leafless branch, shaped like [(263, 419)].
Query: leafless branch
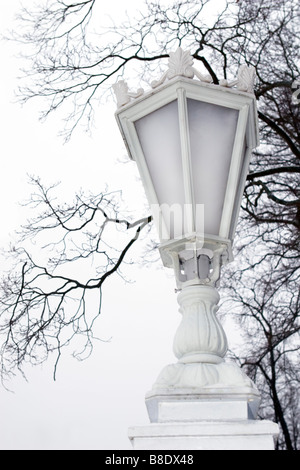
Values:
[(43, 307)]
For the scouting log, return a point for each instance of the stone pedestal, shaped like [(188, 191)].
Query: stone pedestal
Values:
[(206, 435), (207, 419)]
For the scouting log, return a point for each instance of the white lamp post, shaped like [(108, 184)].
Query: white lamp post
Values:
[(192, 142)]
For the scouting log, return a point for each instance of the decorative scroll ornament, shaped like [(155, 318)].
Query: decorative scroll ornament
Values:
[(123, 94), (181, 65), (246, 78)]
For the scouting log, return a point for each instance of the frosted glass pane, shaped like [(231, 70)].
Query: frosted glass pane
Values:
[(212, 134), (159, 137)]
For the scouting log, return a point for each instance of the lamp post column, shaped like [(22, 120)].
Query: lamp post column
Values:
[(200, 337), (200, 346)]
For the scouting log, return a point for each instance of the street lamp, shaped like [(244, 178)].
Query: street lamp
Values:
[(192, 141)]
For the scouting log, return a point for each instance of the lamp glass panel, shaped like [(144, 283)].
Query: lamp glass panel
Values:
[(158, 133), (212, 134)]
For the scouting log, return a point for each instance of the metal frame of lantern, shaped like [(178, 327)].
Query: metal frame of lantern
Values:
[(181, 89)]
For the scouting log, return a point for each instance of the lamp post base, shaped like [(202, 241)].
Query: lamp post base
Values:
[(203, 404), (205, 435), (211, 418)]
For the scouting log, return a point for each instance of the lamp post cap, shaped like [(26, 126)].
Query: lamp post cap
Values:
[(181, 64)]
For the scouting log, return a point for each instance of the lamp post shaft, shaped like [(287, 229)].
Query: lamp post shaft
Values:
[(200, 336), (200, 345)]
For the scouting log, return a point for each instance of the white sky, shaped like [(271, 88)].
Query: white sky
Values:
[(92, 403)]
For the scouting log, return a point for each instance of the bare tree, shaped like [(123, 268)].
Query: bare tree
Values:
[(43, 306), (264, 285), (72, 64)]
